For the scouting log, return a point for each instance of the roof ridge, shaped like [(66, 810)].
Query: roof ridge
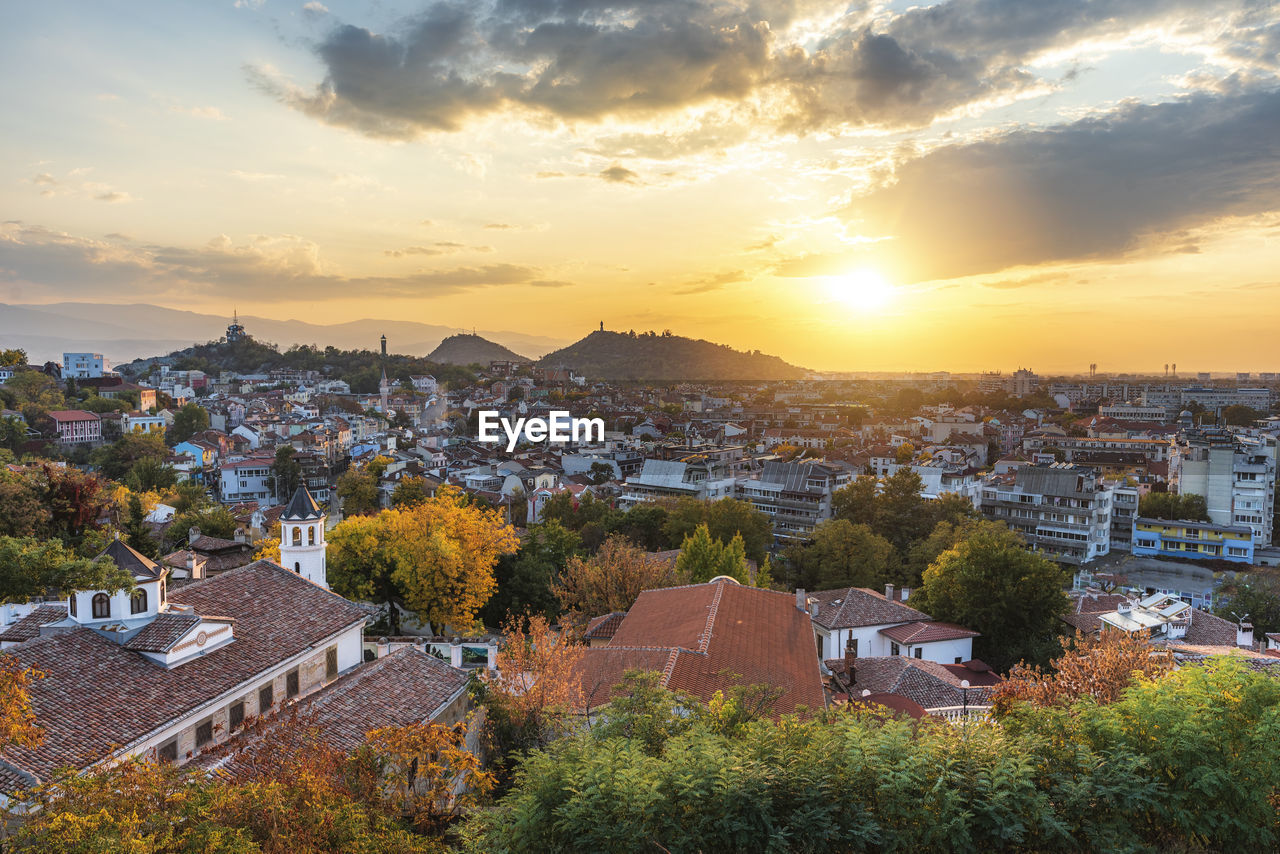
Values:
[(670, 666), (704, 639)]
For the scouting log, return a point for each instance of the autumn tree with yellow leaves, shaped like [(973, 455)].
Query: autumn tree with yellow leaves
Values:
[(435, 558)]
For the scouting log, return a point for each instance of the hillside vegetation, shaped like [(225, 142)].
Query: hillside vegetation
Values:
[(465, 349), (650, 356)]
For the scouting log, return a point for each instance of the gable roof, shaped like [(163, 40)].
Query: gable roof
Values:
[(132, 561), (29, 626), (709, 637), (97, 695), (851, 607), (927, 632), (928, 683)]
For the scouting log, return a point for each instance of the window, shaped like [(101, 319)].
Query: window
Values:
[(204, 733), (311, 535), (266, 697), (168, 752), (331, 662), (138, 602), (291, 683), (72, 606), (237, 715), (919, 652), (958, 660), (297, 567), (297, 536), (101, 606), (894, 650)]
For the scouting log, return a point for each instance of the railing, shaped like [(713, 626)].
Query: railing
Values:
[(961, 714)]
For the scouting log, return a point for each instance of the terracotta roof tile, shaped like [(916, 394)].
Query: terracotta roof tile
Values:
[(162, 632), (29, 626), (851, 607), (97, 695), (927, 632), (928, 683)]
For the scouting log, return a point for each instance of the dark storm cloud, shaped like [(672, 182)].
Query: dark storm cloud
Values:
[(588, 59), (1092, 189)]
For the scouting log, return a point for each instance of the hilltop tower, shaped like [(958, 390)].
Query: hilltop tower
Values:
[(302, 546), (384, 348), (235, 332)]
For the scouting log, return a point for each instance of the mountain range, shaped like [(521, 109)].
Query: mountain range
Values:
[(126, 332)]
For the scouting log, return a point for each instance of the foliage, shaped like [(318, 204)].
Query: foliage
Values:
[(51, 502), (611, 580), (650, 356), (534, 689), (1101, 668), (18, 726), (358, 491), (989, 582), (409, 492), (435, 558), (117, 460), (31, 568), (1238, 415), (286, 473), (191, 419), (525, 579), (138, 536), (1168, 505), (12, 358), (1255, 594), (703, 558), (213, 521), (845, 555), (724, 519)]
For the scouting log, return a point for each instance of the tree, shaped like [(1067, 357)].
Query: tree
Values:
[(1240, 416), (286, 473), (525, 579), (703, 558), (150, 473), (138, 536), (856, 501), (724, 519), (1172, 506), (642, 524), (989, 582), (409, 492), (191, 419), (1254, 594), (18, 726), (30, 568), (213, 521), (427, 771), (848, 555), (534, 689), (358, 492), (116, 460), (600, 473), (902, 514), (435, 558), (13, 434), (905, 454), (611, 580), (12, 358), (1101, 668)]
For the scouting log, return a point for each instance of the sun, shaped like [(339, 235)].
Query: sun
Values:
[(865, 290)]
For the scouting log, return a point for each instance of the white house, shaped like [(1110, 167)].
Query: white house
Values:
[(245, 480), (81, 366), (874, 625)]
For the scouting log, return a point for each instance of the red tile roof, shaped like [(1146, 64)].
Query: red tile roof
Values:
[(97, 695), (604, 627), (927, 632), (29, 626), (73, 415), (162, 632), (928, 683), (708, 637), (851, 607)]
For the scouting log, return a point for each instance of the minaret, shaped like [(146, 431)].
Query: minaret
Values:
[(384, 388), (302, 547)]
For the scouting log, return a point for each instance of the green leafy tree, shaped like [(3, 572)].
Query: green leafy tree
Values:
[(12, 358), (1240, 416), (150, 474), (31, 568), (409, 492), (703, 557), (1256, 595), (213, 521), (600, 473), (856, 501), (643, 525), (116, 460), (1167, 505), (191, 419), (989, 582), (358, 491), (286, 473), (526, 579), (848, 555), (138, 535), (724, 519)]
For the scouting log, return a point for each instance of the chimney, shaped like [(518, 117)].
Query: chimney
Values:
[(813, 609), (906, 593), (801, 601), (850, 657), (193, 534), (888, 592), (1244, 635)]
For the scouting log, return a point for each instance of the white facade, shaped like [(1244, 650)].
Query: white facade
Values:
[(872, 644), (1235, 473), (245, 480), (80, 366)]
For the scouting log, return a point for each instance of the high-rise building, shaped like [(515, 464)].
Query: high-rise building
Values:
[(1060, 509), (1235, 472)]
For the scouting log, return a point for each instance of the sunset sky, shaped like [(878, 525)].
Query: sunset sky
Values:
[(974, 184)]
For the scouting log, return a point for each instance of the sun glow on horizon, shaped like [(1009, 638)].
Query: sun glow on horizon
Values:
[(864, 290)]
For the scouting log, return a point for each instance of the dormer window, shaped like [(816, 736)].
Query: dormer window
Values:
[(72, 607), (138, 602), (101, 606)]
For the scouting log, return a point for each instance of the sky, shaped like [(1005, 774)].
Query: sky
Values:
[(967, 185)]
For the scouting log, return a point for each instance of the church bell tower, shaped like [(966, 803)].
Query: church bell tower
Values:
[(302, 546)]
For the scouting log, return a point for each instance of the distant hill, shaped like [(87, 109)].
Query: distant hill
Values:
[(125, 332), (648, 356), (467, 349)]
